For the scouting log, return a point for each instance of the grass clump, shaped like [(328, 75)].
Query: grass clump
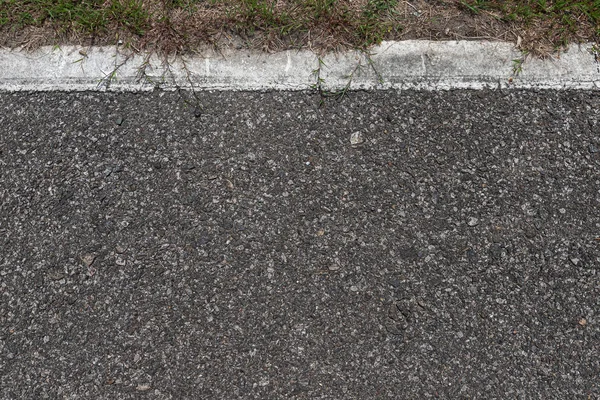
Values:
[(377, 21), (73, 16)]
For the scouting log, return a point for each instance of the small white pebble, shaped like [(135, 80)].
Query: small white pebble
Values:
[(356, 139), (473, 221)]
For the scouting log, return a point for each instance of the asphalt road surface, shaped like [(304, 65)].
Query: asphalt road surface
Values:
[(395, 245)]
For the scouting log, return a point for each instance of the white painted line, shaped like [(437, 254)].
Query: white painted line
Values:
[(412, 64)]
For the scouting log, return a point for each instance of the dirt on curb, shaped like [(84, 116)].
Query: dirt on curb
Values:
[(180, 26)]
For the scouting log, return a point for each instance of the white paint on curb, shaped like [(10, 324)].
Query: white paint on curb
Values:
[(412, 64)]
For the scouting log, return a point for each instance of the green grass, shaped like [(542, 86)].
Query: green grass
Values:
[(318, 9), (562, 15), (292, 23), (83, 16), (261, 14), (374, 25)]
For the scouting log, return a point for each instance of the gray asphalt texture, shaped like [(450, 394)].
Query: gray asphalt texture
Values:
[(236, 245)]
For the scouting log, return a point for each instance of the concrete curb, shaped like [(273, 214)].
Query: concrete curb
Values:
[(412, 64)]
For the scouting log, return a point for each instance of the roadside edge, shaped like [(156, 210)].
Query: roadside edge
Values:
[(411, 64)]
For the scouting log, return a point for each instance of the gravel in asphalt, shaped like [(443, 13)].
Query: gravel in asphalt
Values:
[(248, 245)]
